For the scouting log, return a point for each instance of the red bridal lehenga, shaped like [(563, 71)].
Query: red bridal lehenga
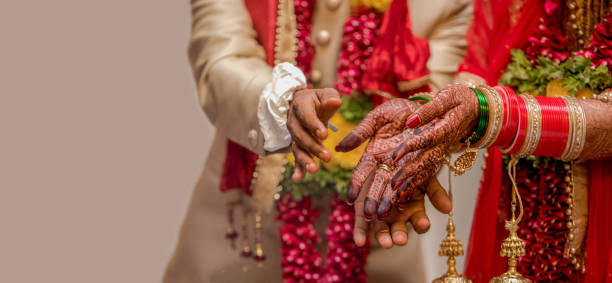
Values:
[(568, 235)]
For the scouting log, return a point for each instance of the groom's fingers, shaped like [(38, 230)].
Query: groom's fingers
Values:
[(360, 230), (383, 234), (399, 233), (330, 102), (420, 221), (414, 211), (304, 163), (437, 195)]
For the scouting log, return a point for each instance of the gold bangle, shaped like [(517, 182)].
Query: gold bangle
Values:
[(577, 134), (534, 126), (496, 115)]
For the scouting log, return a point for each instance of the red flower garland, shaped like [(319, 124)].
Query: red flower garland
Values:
[(358, 38), (545, 204), (300, 260), (601, 40), (548, 39), (345, 262), (305, 50)]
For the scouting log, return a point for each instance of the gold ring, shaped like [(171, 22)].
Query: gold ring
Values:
[(385, 167), (384, 231)]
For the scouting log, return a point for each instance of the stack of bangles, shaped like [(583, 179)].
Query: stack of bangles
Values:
[(524, 125)]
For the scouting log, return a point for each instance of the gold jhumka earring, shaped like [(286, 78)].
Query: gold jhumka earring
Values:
[(513, 247), (451, 246)]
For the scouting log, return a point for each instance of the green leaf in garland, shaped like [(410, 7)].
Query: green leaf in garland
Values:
[(356, 108), (324, 182)]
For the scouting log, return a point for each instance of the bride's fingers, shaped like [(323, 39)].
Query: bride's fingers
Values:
[(375, 191), (383, 234), (366, 128), (415, 181), (424, 160), (360, 175), (388, 200), (444, 101), (434, 136)]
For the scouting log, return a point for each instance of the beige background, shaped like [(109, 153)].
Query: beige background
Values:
[(102, 140)]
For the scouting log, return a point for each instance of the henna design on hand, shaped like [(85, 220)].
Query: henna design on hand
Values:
[(385, 125), (456, 108)]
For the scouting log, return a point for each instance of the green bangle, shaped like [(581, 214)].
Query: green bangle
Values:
[(417, 98), (483, 120)]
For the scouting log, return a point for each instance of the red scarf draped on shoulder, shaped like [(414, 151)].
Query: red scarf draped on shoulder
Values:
[(399, 56)]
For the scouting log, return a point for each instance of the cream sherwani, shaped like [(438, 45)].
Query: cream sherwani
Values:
[(230, 70)]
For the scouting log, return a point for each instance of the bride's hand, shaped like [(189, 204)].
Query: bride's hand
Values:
[(457, 109), (443, 122), (385, 126)]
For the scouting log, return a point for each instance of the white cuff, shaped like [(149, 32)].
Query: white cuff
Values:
[(274, 105)]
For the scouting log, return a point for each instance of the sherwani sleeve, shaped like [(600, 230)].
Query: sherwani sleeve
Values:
[(447, 42), (230, 69)]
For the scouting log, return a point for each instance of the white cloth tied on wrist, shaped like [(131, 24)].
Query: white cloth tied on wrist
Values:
[(274, 105)]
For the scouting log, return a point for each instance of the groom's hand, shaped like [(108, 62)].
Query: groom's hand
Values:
[(393, 230), (307, 122)]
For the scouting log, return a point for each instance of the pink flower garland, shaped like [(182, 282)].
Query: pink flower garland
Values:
[(301, 262), (360, 32), (548, 39), (544, 220), (600, 47), (305, 50), (345, 262)]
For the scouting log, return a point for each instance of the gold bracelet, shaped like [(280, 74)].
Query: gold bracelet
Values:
[(577, 134), (534, 126), (496, 115)]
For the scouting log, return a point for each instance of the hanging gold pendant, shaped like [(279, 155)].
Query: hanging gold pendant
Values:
[(451, 247), (465, 162), (513, 247)]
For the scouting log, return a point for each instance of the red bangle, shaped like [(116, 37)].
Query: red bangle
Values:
[(510, 124), (519, 138), (555, 127)]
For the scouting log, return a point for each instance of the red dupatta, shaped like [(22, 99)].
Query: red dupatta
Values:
[(490, 38), (399, 57)]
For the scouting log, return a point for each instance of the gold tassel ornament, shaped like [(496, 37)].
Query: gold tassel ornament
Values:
[(513, 247), (451, 246)]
